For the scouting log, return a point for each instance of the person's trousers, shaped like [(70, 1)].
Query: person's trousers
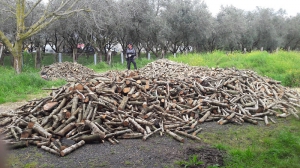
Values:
[(129, 60)]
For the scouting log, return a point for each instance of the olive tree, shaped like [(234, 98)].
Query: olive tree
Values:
[(20, 11), (292, 38), (231, 27)]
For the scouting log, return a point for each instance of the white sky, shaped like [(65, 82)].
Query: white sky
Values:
[(292, 7)]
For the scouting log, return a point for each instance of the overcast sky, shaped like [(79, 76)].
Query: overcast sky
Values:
[(292, 7)]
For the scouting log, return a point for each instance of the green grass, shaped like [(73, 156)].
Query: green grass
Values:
[(259, 146), (16, 87), (282, 66), (192, 162)]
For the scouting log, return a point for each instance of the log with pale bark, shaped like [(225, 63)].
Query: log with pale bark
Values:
[(164, 97)]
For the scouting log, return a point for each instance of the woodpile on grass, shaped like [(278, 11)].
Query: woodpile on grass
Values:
[(163, 97), (66, 70)]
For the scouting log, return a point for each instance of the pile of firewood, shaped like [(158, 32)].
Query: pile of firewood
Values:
[(163, 97), (66, 70)]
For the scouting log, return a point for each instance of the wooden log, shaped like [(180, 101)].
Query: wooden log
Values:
[(175, 136), (230, 116), (189, 130), (148, 129), (187, 135), (38, 128), (143, 122), (114, 123), (148, 135), (95, 129), (137, 126), (194, 124), (26, 133), (89, 138), (45, 143), (5, 121), (117, 133), (72, 132), (250, 121), (222, 122), (266, 121), (70, 120), (123, 103), (49, 106), (50, 150), (7, 114), (66, 129), (39, 105), (196, 132), (204, 117), (132, 89), (131, 136), (74, 105), (91, 94), (80, 134), (72, 148), (17, 145), (174, 126)]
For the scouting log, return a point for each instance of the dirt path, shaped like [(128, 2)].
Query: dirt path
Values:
[(156, 152)]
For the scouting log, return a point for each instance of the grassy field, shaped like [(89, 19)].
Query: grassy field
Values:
[(249, 146), (259, 146)]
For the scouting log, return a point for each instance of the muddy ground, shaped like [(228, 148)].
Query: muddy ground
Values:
[(158, 151)]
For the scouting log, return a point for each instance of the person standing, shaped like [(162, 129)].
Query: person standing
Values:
[(130, 55)]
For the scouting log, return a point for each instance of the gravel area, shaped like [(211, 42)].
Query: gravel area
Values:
[(155, 152)]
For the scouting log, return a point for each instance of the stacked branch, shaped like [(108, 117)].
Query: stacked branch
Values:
[(66, 70), (163, 97)]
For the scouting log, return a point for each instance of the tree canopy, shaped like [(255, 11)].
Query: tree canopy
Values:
[(152, 25)]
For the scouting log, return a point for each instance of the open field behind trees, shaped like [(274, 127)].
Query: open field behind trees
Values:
[(247, 146)]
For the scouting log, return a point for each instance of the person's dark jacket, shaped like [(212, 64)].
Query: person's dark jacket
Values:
[(130, 53)]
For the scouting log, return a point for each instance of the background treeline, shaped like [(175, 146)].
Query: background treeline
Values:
[(159, 27)]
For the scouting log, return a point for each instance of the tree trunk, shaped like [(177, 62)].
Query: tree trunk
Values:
[(18, 64), (100, 56), (108, 57), (75, 54), (1, 56), (17, 56), (38, 59), (56, 57)]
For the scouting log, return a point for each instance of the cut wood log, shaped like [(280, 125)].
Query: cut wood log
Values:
[(89, 138), (137, 126), (95, 129), (66, 129), (17, 145), (196, 131), (50, 150), (117, 133), (131, 136), (38, 128), (188, 135), (148, 135), (175, 136), (123, 103), (204, 117), (72, 148)]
